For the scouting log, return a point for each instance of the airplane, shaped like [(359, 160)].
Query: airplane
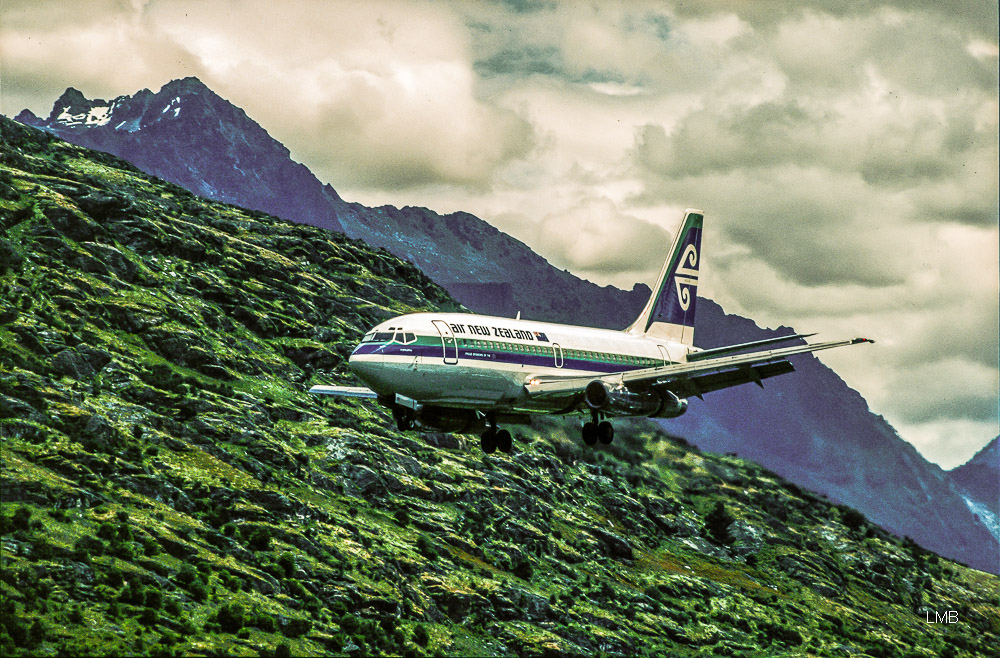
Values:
[(466, 373)]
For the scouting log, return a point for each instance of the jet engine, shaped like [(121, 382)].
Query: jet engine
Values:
[(600, 396)]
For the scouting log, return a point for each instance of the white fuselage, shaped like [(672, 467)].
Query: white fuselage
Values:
[(483, 362)]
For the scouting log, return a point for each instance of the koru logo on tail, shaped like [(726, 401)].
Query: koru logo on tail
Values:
[(686, 277)]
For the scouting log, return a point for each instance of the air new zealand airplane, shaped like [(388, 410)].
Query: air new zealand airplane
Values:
[(459, 372)]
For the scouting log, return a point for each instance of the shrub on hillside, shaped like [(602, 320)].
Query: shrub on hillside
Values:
[(231, 617), (853, 519), (297, 627), (420, 635), (717, 524)]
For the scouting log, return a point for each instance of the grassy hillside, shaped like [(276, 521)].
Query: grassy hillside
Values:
[(168, 487)]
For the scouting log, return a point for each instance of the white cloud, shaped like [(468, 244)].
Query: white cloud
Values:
[(595, 237)]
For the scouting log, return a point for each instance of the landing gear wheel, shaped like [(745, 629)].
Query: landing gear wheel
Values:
[(403, 418), (590, 433), (488, 441), (606, 432), (504, 442)]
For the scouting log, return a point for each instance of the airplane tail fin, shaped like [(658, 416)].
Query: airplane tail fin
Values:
[(669, 313)]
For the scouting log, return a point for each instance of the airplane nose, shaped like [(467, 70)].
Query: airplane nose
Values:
[(365, 366)]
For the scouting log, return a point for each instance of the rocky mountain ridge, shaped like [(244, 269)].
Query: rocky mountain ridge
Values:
[(168, 487)]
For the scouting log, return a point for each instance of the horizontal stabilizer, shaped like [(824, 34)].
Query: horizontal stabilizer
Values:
[(716, 351), (345, 391)]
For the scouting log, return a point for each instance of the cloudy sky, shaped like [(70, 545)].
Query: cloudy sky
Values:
[(845, 153)]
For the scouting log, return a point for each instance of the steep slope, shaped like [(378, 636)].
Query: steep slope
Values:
[(169, 489), (850, 454)]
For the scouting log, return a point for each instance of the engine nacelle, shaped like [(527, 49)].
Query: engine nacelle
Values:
[(602, 397)]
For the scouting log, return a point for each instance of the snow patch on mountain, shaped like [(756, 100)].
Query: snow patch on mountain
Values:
[(95, 116), (173, 105)]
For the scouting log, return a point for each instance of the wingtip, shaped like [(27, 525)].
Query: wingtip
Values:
[(862, 340)]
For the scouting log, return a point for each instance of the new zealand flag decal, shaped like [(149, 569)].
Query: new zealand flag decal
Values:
[(539, 336)]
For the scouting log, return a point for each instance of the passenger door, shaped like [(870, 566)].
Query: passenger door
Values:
[(448, 343)]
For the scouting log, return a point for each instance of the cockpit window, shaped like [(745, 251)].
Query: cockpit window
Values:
[(382, 336), (409, 338)]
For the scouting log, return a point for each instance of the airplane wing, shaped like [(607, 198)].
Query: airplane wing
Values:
[(693, 378), (345, 391)]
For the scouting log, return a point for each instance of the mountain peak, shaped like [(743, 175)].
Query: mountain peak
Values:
[(71, 96), (188, 85), (72, 102)]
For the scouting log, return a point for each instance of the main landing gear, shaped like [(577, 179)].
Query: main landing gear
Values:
[(493, 438), (598, 430)]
